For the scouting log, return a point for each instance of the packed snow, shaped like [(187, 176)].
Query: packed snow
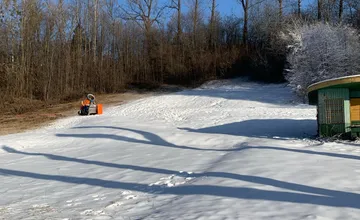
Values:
[(231, 149)]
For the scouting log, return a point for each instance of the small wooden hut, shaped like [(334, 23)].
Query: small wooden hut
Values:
[(338, 106)]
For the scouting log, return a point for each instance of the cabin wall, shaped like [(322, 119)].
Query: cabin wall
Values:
[(334, 111)]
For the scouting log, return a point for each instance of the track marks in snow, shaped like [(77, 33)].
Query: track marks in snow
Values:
[(41, 209), (4, 210), (97, 197), (71, 203), (36, 210), (128, 198), (98, 214), (174, 179), (129, 195), (113, 206)]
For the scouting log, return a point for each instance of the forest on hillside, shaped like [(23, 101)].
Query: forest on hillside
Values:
[(62, 49)]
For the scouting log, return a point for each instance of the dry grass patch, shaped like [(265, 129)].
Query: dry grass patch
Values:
[(19, 115)]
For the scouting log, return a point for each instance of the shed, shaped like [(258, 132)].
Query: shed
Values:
[(338, 105)]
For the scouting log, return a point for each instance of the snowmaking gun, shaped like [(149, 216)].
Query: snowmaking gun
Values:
[(90, 107)]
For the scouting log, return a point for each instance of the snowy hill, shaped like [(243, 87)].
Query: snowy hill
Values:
[(227, 150)]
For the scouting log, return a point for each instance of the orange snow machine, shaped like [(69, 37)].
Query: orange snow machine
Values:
[(90, 107)]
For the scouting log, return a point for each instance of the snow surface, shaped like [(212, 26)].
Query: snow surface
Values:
[(230, 149)]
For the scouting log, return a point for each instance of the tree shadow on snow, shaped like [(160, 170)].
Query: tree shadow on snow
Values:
[(151, 138), (167, 171), (325, 197), (328, 154), (90, 162), (154, 139), (264, 128)]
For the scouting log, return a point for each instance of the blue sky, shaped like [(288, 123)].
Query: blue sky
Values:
[(232, 6), (228, 7)]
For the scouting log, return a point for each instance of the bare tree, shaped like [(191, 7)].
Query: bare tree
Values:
[(176, 4), (212, 25), (230, 31), (319, 9), (352, 11), (195, 20), (144, 12), (246, 5), (95, 30), (341, 8), (280, 9)]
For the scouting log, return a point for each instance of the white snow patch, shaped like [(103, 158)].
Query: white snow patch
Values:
[(230, 149)]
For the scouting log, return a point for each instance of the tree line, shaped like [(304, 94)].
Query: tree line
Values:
[(57, 49)]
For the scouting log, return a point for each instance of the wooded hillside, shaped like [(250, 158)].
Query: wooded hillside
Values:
[(57, 49)]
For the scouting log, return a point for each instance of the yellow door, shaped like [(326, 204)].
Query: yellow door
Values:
[(355, 109)]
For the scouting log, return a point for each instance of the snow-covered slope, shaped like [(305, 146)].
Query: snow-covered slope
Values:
[(227, 150)]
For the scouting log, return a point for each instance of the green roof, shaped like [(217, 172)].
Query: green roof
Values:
[(350, 82)]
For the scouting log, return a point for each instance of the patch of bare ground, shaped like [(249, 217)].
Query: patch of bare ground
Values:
[(22, 115)]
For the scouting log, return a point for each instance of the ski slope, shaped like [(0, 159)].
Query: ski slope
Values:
[(230, 149)]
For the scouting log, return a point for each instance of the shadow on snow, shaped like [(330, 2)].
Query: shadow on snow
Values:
[(323, 196), (152, 139), (260, 128), (264, 128)]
